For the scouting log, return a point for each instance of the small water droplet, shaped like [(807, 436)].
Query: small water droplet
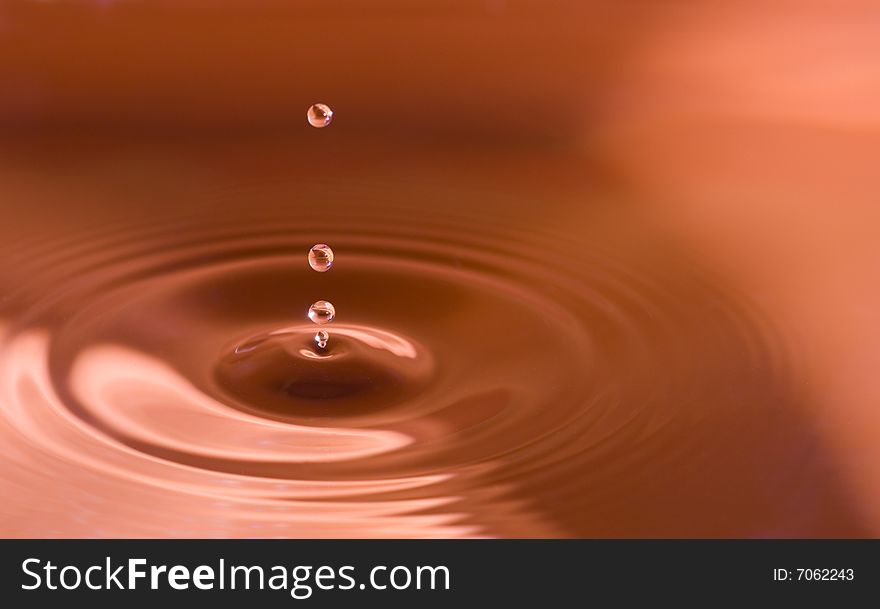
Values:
[(322, 312), (321, 257), (321, 338), (320, 115)]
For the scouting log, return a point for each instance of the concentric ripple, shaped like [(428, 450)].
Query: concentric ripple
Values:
[(488, 378)]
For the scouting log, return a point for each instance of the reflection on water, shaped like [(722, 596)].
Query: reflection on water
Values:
[(474, 389), (596, 325)]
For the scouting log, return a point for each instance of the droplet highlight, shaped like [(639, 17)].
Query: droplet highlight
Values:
[(321, 338), (321, 257), (320, 115), (322, 312)]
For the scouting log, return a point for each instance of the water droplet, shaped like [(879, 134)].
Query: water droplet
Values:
[(320, 115), (322, 312), (321, 338), (321, 257)]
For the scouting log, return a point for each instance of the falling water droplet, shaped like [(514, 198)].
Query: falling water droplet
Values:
[(321, 257), (322, 312), (321, 338), (320, 115)]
